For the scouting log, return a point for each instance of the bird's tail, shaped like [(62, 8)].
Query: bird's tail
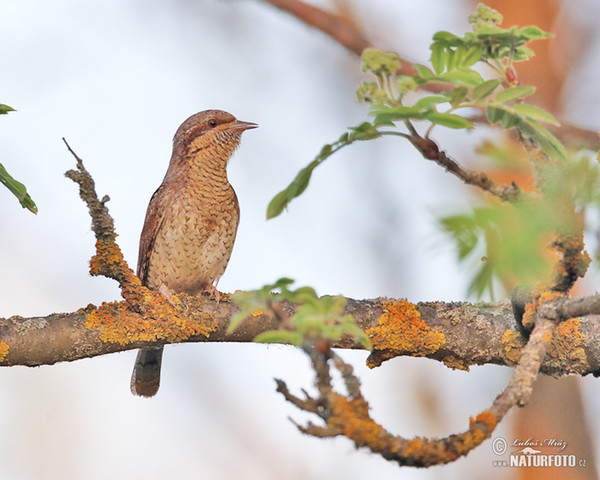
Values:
[(146, 372)]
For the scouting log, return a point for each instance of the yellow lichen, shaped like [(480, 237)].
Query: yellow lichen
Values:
[(3, 351), (566, 346), (459, 445), (352, 418), (402, 331), (512, 343), (487, 418), (532, 308), (118, 323)]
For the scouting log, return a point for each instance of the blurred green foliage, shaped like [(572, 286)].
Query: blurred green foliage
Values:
[(316, 318)]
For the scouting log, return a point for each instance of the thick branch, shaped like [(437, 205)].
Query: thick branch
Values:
[(470, 334)]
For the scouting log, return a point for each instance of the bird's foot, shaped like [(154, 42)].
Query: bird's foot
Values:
[(212, 292)]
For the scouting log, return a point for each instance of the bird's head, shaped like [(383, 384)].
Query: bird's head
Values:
[(211, 133)]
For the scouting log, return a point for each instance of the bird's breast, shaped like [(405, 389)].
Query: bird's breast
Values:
[(195, 241)]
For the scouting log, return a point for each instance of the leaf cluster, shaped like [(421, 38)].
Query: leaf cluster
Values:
[(316, 318), (453, 61), (15, 187)]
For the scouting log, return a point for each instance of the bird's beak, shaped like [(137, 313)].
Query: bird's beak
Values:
[(239, 126)]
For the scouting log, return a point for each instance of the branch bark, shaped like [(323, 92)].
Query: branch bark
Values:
[(472, 334)]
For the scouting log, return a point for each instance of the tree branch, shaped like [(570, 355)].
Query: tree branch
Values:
[(436, 330), (348, 414)]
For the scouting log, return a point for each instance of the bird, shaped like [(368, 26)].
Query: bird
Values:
[(191, 222)]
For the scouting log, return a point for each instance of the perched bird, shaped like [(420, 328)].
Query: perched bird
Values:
[(190, 223)]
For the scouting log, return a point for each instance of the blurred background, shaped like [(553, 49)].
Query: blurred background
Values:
[(116, 78)]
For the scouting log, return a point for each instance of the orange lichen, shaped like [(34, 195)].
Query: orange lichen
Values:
[(351, 417), (512, 343), (566, 347), (3, 351), (420, 451), (401, 331), (532, 308), (487, 418), (119, 323), (108, 258)]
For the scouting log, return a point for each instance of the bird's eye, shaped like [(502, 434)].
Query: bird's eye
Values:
[(212, 123)]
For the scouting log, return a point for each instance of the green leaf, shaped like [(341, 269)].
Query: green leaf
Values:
[(423, 72), (5, 109), (278, 204), (391, 114), (485, 89), (530, 128), (458, 94), (364, 131), (449, 120), (280, 336), (439, 56), (503, 117), (513, 93), (532, 32), (17, 189), (462, 75), (447, 39), (549, 144), (534, 112), (456, 57), (472, 56), (430, 101)]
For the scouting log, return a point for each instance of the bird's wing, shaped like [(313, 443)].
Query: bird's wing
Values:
[(152, 225)]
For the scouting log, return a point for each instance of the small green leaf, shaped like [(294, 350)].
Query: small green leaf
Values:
[(462, 75), (17, 189), (325, 151), (508, 118), (534, 112), (439, 56), (485, 89), (449, 120), (549, 144), (423, 71), (458, 94), (447, 38), (472, 56), (532, 32), (277, 204), (392, 114), (364, 131), (280, 336), (456, 57), (513, 93), (430, 101), (5, 109)]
